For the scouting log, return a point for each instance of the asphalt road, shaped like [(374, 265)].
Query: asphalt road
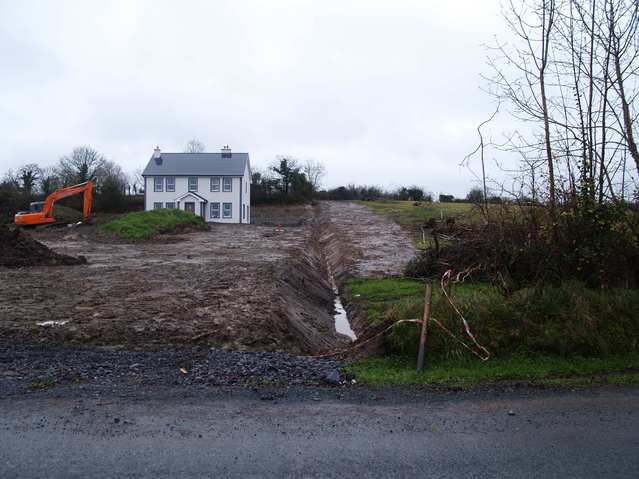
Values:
[(321, 433)]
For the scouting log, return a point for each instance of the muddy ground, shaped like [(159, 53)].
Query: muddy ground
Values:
[(259, 287)]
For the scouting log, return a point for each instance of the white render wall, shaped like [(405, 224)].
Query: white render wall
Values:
[(204, 190)]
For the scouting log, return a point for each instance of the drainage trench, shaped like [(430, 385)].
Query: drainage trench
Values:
[(342, 323), (336, 265)]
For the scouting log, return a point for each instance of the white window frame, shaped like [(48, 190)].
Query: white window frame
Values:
[(224, 215), (156, 207), (215, 211), (171, 186), (215, 184), (172, 203), (158, 184), (189, 183), (224, 184)]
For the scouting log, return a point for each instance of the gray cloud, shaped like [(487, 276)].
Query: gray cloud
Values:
[(382, 93)]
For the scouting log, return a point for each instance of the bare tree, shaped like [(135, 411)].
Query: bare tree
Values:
[(570, 80), (194, 146), (532, 22), (481, 149), (49, 180), (83, 164), (623, 43), (315, 172), (29, 176), (136, 180)]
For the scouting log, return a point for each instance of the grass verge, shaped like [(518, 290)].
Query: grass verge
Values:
[(564, 334), (562, 320), (553, 371), (147, 224)]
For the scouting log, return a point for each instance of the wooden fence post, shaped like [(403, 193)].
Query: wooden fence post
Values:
[(424, 333)]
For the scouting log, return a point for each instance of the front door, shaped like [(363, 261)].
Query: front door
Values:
[(189, 206)]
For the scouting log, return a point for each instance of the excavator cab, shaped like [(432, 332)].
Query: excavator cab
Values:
[(41, 212), (36, 206)]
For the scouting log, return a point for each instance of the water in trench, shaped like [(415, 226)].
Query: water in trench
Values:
[(342, 325)]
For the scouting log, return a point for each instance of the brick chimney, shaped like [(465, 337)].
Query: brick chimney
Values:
[(226, 151)]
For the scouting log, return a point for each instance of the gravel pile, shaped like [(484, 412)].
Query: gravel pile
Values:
[(35, 366)]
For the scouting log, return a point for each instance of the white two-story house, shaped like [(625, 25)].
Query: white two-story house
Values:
[(216, 186)]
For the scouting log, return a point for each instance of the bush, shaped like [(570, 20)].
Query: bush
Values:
[(520, 246), (475, 195)]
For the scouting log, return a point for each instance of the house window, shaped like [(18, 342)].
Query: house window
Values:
[(170, 205), (157, 206), (192, 183), (227, 208), (170, 183), (215, 183), (158, 182), (228, 182), (215, 210), (244, 212)]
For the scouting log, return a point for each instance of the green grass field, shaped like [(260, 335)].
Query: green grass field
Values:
[(144, 225), (411, 215)]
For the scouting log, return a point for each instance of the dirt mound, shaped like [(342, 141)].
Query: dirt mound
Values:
[(64, 214), (18, 250)]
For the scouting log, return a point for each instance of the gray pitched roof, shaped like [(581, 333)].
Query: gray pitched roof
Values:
[(197, 164)]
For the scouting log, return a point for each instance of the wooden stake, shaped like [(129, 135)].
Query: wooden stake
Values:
[(422, 337)]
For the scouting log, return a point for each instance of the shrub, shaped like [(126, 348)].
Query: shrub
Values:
[(520, 246)]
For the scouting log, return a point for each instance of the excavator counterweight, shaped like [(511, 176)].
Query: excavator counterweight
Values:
[(41, 213)]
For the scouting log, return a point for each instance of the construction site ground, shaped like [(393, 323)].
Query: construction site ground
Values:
[(259, 287)]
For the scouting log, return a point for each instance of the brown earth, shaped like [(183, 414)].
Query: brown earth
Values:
[(235, 286), (19, 250)]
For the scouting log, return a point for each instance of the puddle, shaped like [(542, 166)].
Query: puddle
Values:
[(52, 323), (342, 325)]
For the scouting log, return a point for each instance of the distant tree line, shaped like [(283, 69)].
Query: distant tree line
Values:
[(287, 180), (114, 190), (372, 192)]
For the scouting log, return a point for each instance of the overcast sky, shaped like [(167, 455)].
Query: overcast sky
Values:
[(382, 93)]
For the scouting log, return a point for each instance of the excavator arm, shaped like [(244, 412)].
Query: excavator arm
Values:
[(46, 215)]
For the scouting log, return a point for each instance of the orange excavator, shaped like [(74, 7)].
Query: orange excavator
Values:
[(41, 212)]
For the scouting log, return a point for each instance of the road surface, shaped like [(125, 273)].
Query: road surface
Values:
[(320, 433)]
